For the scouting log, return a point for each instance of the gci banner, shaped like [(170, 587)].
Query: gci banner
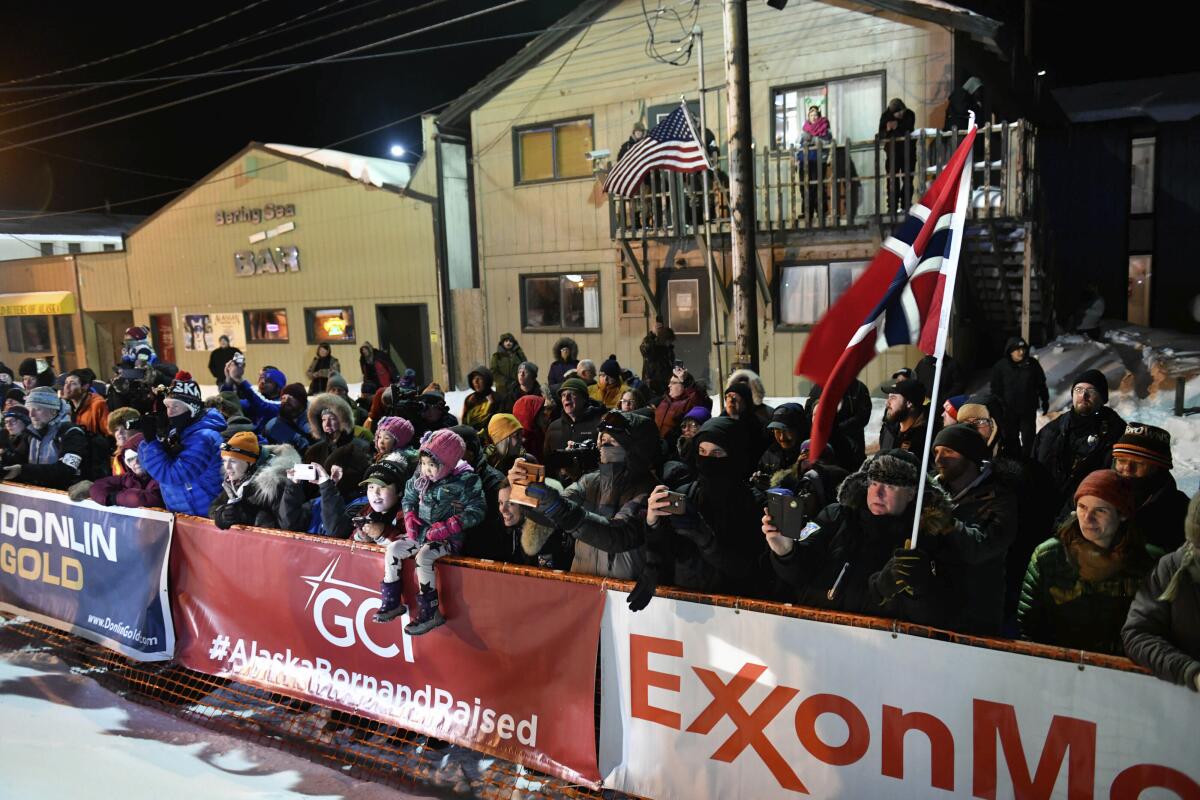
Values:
[(97, 572), (512, 672), (756, 705)]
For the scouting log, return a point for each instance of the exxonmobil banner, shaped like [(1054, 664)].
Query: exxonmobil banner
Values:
[(511, 673), (97, 572), (756, 705)]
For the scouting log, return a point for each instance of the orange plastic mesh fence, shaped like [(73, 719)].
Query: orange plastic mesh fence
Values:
[(355, 746)]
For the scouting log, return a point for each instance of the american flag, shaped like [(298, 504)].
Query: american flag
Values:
[(903, 297), (671, 145)]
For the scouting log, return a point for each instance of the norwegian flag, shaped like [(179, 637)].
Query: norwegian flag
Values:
[(903, 297), (672, 145)]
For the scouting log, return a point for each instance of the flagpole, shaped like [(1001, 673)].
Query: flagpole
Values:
[(698, 33), (939, 348)]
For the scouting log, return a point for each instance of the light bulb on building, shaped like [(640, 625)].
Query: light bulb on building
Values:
[(397, 151)]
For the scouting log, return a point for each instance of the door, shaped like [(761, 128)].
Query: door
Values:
[(685, 310), (404, 335)]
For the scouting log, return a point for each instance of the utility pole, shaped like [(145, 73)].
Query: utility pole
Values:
[(741, 185)]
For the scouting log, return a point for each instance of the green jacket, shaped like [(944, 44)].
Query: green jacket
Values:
[(504, 365), (1059, 607)]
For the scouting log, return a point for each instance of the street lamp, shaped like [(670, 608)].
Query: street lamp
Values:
[(397, 151)]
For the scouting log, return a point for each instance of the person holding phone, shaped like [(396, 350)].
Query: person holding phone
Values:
[(254, 480), (702, 535)]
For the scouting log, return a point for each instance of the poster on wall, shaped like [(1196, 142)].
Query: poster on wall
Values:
[(198, 332), (229, 324)]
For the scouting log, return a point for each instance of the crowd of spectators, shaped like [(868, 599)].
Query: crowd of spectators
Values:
[(1057, 537)]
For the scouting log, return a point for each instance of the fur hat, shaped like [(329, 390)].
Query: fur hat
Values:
[(611, 367), (963, 439), (184, 389), (124, 417), (1095, 378), (894, 467), (400, 429), (28, 367), (327, 402), (446, 446), (242, 445), (1145, 443), (502, 426), (1109, 487), (758, 392)]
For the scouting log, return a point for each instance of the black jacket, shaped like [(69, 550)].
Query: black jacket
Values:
[(567, 466), (1159, 518), (58, 455), (1022, 386), (912, 440), (261, 499), (658, 358), (1070, 447), (1165, 636), (217, 360), (953, 381), (848, 438)]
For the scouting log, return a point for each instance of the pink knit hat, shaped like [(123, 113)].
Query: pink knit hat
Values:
[(446, 446), (398, 428)]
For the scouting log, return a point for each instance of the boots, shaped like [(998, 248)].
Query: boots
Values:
[(430, 616), (390, 592)]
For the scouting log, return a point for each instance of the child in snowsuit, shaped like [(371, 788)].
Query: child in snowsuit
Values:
[(441, 501)]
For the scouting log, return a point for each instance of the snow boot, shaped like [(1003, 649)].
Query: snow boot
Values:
[(429, 615), (390, 593)]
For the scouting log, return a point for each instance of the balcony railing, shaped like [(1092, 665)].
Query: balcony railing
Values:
[(837, 185)]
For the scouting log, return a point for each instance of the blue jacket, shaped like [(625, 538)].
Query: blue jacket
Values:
[(259, 409), (282, 430), (190, 479)]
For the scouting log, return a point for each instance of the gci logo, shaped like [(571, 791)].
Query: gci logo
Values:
[(341, 622)]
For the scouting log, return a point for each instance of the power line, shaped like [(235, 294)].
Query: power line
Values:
[(130, 170), (212, 181), (298, 21), (248, 81), (141, 47)]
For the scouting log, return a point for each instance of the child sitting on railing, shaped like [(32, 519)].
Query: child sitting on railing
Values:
[(441, 501)]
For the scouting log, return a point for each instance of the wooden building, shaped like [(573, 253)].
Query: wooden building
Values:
[(553, 255)]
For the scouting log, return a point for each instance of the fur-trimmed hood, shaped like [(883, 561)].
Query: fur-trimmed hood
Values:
[(270, 474), (534, 535), (319, 403), (757, 391), (566, 341)]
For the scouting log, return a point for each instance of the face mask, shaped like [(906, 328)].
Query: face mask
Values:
[(506, 447), (179, 422), (714, 467), (612, 454)]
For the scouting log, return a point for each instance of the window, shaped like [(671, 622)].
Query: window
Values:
[(807, 290), (553, 151), (28, 334), (329, 325), (560, 302), (74, 247), (109, 247), (47, 248), (1141, 183), (266, 326), (853, 106)]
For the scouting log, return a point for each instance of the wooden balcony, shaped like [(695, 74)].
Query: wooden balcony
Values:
[(837, 185)]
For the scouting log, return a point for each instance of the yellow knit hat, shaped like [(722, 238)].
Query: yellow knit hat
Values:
[(502, 426)]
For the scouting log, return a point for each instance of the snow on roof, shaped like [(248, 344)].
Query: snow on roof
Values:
[(375, 171)]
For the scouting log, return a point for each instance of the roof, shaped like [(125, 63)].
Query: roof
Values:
[(456, 116), (78, 224), (381, 172), (1170, 98)]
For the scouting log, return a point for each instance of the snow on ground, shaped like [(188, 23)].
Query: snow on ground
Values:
[(66, 736)]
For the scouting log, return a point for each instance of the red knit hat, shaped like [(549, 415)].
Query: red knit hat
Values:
[(1109, 487)]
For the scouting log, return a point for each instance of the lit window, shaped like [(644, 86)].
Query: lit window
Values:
[(329, 325), (560, 302), (806, 291), (265, 326), (554, 151)]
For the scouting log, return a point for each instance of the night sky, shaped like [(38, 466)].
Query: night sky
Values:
[(325, 103)]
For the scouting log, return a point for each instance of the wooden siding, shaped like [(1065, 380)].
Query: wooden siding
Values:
[(49, 274), (604, 73), (104, 281), (359, 246)]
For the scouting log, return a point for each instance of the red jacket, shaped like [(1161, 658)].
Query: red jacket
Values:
[(669, 411), (127, 490)]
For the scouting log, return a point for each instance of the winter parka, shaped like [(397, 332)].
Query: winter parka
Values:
[(259, 499), (504, 364), (478, 407), (558, 367), (58, 453), (1164, 635), (1072, 447), (1021, 385), (127, 490), (459, 494), (189, 474)]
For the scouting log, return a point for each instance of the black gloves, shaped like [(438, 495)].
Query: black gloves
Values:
[(148, 425), (553, 506), (909, 572), (643, 591)]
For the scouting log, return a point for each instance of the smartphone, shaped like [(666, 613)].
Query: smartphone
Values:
[(304, 472), (677, 502), (534, 473), (787, 512)]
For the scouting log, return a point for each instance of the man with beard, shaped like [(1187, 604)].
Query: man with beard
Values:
[(603, 510), (1079, 442), (904, 417), (57, 448), (1142, 456), (710, 544), (986, 517), (575, 427), (88, 410)]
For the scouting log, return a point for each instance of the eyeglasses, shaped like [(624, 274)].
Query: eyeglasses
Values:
[(982, 422), (613, 421), (1085, 391)]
